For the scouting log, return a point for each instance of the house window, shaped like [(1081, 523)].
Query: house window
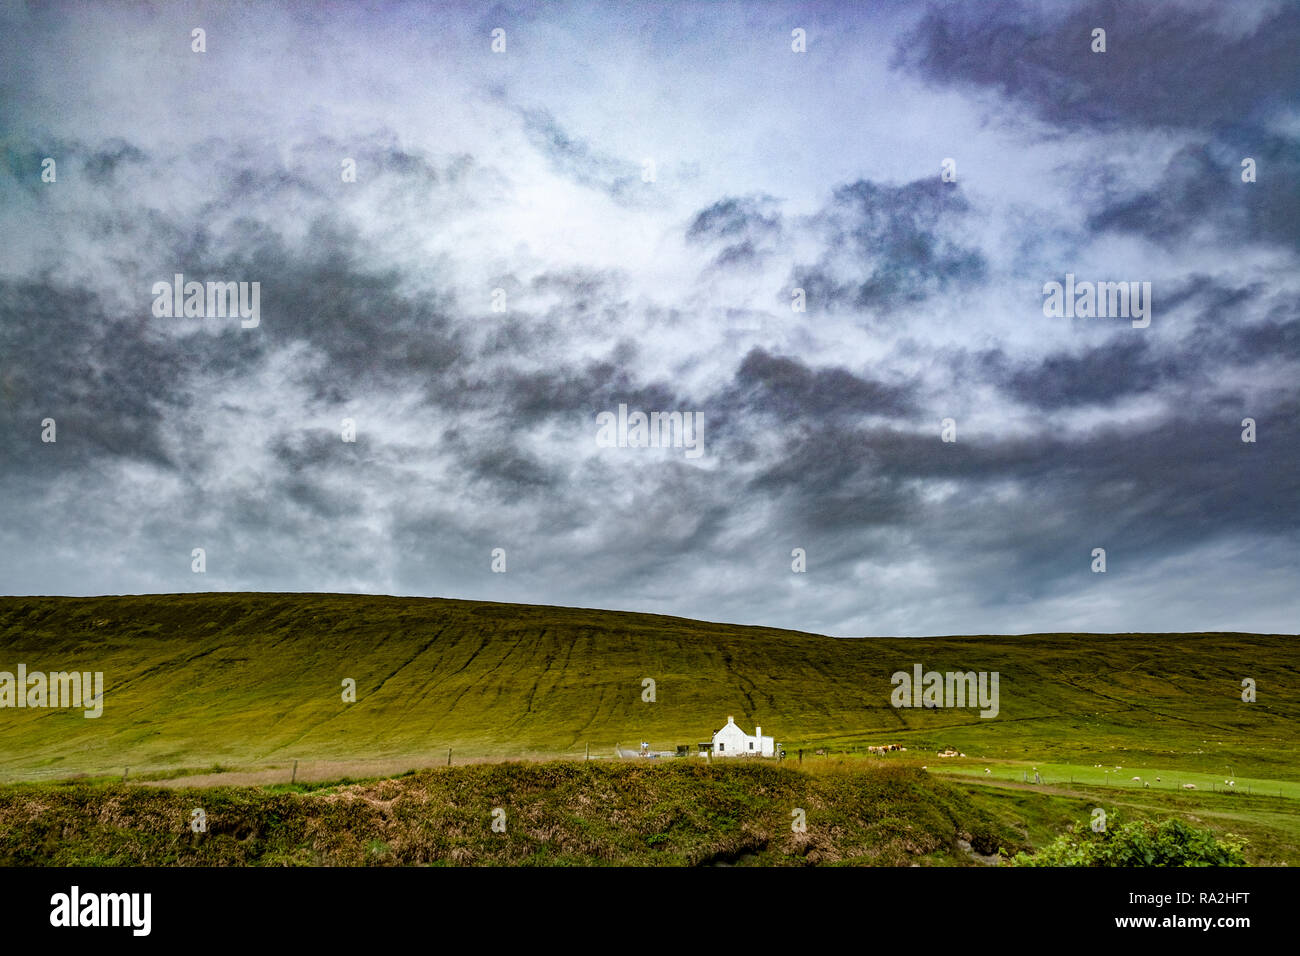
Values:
[(721, 746), (751, 745)]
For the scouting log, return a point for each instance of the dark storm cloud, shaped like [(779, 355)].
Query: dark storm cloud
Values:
[(889, 246), (1214, 297), (1119, 369), (1142, 491), (1165, 65), (305, 451), (117, 380), (1202, 187), (513, 471), (827, 479), (533, 396), (1235, 326), (1278, 338), (1229, 328), (105, 380), (371, 331), (788, 388), (833, 473)]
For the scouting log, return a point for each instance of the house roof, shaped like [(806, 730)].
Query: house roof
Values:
[(731, 724)]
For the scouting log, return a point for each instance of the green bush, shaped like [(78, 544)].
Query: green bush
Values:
[(1171, 842)]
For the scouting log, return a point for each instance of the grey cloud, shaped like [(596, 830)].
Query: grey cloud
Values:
[(578, 160), (735, 217), (103, 163), (744, 227), (1141, 492), (789, 389), (105, 380), (73, 158), (1201, 187), (594, 387), (476, 428), (1119, 369), (890, 246), (1228, 327), (1166, 64)]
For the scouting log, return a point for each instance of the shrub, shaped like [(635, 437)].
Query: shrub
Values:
[(1171, 842)]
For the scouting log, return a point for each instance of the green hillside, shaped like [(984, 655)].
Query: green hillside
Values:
[(254, 680)]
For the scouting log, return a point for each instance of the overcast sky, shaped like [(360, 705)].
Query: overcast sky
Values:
[(526, 171)]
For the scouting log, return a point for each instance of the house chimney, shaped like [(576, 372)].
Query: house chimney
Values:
[(730, 719), (758, 732)]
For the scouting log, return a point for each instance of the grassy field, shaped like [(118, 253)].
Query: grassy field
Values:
[(247, 681), (215, 698), (1038, 813)]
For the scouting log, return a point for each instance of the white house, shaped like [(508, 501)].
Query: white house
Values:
[(731, 741)]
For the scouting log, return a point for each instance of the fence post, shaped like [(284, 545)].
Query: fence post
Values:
[(124, 773), (448, 756), (587, 753), (294, 778), (801, 755)]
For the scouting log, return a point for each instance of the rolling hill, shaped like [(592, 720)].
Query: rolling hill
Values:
[(251, 680)]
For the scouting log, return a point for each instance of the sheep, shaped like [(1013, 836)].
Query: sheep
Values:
[(1189, 786)]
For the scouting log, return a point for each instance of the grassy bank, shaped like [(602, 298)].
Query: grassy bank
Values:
[(671, 814)]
